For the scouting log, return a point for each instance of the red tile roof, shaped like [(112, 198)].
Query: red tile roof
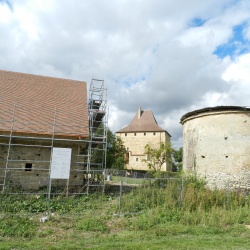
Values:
[(144, 121), (34, 100)]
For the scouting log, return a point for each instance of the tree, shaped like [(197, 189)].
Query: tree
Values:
[(116, 152), (156, 157), (177, 155)]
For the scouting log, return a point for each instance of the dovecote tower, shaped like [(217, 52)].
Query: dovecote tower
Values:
[(216, 146)]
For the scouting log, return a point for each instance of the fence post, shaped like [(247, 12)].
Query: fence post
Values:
[(181, 190), (120, 198), (227, 197)]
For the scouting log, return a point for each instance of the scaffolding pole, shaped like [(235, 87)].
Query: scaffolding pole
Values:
[(97, 147), (37, 140), (8, 153)]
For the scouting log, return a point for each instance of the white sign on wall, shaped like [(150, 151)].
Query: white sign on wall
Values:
[(60, 165)]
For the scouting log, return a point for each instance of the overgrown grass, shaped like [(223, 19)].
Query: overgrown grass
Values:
[(155, 214), (39, 203), (17, 226)]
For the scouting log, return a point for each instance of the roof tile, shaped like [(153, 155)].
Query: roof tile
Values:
[(36, 100), (144, 121)]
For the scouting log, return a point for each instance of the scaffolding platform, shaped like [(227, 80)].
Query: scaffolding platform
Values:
[(89, 162)]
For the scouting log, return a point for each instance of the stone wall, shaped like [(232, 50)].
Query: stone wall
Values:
[(28, 166), (135, 145), (216, 147)]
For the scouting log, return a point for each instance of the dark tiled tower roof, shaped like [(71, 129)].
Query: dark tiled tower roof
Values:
[(144, 121), (37, 99)]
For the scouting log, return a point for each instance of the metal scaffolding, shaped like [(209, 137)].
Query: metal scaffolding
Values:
[(97, 147), (25, 158)]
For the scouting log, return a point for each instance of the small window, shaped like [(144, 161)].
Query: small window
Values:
[(136, 159), (127, 148), (154, 133), (225, 138), (203, 156), (145, 133), (125, 134), (226, 156), (28, 167), (134, 134)]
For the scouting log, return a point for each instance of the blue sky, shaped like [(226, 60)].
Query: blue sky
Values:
[(151, 53), (7, 2), (197, 22), (236, 45)]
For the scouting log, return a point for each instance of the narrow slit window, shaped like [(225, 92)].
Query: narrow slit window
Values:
[(145, 133), (127, 158), (134, 134)]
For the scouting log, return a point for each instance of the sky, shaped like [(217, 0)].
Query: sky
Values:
[(171, 57)]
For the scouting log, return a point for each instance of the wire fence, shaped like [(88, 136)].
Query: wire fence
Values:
[(122, 194), (23, 180), (138, 195), (122, 191)]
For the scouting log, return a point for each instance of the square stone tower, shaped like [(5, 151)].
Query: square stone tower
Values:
[(143, 130)]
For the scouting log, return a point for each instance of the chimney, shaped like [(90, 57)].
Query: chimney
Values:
[(139, 112)]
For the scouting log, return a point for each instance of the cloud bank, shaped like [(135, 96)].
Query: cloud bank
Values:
[(167, 56)]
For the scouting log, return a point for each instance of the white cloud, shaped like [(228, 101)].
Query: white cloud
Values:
[(239, 70), (5, 14), (238, 77), (146, 51)]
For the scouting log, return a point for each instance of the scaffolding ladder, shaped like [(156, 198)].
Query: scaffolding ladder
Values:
[(97, 146)]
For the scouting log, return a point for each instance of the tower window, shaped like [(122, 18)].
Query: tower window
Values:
[(154, 133), (28, 167), (134, 134), (127, 158), (145, 133), (125, 134)]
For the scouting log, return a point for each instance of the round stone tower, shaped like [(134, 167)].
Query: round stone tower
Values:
[(216, 146)]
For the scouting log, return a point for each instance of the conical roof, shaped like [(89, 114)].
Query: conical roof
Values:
[(144, 121)]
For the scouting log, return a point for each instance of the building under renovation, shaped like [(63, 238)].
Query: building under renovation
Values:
[(216, 146), (39, 114), (143, 130)]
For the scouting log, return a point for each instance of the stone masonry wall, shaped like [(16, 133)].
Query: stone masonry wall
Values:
[(18, 176), (216, 147)]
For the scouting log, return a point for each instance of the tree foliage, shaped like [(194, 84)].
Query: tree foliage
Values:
[(116, 152), (177, 155), (156, 157)]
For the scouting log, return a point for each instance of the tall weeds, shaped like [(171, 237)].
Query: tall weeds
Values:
[(199, 205)]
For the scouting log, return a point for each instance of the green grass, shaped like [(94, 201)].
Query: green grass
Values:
[(127, 180), (150, 218)]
